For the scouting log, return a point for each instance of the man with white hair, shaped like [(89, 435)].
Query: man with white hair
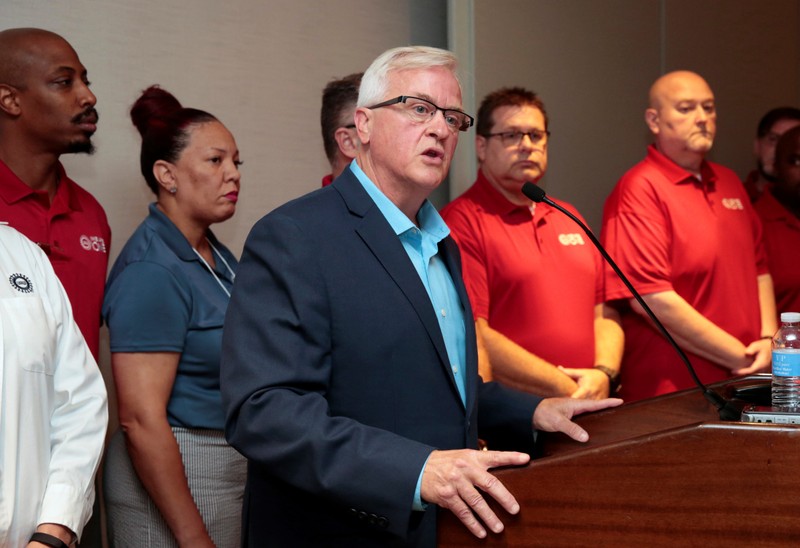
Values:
[(349, 369)]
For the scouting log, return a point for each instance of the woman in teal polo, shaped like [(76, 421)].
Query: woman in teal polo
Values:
[(170, 477)]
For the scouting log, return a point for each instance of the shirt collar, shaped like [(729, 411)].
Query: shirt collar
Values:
[(172, 236), (770, 209), (752, 177), (490, 197), (13, 189), (429, 219), (678, 175), (495, 203)]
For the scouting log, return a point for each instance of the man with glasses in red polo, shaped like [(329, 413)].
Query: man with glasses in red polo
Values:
[(533, 277)]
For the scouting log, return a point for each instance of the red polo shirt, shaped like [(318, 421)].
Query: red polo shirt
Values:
[(533, 276), (751, 186), (669, 231), (782, 240), (74, 233)]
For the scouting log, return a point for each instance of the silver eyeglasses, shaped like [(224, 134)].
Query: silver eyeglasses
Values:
[(421, 110)]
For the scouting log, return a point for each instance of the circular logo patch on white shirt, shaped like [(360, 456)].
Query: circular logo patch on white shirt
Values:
[(21, 283)]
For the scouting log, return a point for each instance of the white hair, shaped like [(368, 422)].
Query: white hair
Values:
[(376, 78)]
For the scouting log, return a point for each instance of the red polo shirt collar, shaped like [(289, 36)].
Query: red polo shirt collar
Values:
[(494, 202), (14, 190), (678, 175)]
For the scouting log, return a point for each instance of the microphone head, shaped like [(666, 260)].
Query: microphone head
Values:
[(533, 192)]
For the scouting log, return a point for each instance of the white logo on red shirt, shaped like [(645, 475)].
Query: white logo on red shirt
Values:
[(732, 203), (570, 239), (93, 243)]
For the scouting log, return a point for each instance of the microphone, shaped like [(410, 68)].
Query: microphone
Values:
[(727, 410)]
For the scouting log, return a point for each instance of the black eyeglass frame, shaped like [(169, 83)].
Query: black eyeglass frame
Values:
[(470, 121), (544, 135)]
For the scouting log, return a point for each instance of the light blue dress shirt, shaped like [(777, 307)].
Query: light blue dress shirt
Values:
[(422, 245)]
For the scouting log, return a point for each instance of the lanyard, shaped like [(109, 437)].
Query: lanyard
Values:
[(208, 266)]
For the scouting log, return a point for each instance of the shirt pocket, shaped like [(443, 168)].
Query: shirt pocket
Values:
[(29, 332)]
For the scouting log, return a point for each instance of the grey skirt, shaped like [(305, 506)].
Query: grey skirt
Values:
[(216, 475)]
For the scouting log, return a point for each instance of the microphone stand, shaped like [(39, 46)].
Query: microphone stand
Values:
[(727, 410)]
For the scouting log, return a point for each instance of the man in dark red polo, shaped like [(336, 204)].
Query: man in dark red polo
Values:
[(46, 110)]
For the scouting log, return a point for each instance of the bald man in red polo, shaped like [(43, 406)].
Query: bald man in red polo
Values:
[(682, 228)]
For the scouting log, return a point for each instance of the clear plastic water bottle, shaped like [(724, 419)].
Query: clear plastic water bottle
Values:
[(786, 363)]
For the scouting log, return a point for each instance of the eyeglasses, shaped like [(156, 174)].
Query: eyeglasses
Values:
[(421, 111), (514, 138)]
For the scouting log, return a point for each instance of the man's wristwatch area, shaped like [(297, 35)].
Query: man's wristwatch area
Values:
[(613, 378), (48, 540)]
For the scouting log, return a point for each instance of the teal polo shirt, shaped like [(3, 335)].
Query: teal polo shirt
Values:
[(160, 297)]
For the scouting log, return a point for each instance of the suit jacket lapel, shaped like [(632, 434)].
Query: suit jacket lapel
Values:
[(378, 235), (451, 255)]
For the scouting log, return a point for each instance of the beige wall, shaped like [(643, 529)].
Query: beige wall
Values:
[(258, 65), (593, 61)]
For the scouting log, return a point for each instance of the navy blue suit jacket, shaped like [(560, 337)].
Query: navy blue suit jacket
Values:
[(336, 381)]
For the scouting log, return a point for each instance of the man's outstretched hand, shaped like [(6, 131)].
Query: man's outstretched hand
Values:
[(555, 414), (452, 479)]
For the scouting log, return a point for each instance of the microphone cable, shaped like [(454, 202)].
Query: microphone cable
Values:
[(727, 410)]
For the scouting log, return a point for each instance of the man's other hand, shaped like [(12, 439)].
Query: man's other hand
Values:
[(450, 480)]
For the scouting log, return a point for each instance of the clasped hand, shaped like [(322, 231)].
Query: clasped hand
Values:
[(758, 355)]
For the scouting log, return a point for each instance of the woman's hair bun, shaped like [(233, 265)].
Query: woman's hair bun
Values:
[(153, 107)]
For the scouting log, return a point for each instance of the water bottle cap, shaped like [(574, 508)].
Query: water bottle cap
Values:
[(790, 317)]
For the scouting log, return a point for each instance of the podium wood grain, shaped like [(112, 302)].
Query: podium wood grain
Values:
[(659, 472)]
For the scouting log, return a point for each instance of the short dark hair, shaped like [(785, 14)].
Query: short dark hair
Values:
[(506, 97), (775, 115), (337, 97), (164, 126)]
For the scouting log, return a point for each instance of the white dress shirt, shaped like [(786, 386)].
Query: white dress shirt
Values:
[(53, 404)]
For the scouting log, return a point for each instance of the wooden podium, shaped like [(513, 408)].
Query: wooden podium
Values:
[(659, 472)]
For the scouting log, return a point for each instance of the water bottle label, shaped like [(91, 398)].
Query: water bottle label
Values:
[(786, 364)]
